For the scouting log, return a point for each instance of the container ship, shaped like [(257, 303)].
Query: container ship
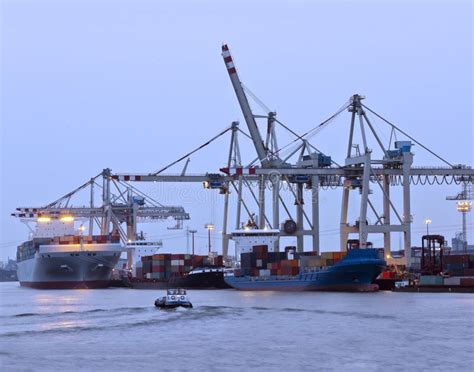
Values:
[(263, 269), (57, 258), (354, 271)]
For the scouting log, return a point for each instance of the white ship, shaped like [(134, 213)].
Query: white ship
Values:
[(58, 257)]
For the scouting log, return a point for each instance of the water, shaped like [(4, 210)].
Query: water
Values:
[(119, 328)]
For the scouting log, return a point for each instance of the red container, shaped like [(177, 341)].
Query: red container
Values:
[(461, 258), (177, 256), (158, 269), (386, 275), (260, 249), (467, 282), (101, 239)]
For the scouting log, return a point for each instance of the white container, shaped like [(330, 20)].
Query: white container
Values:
[(454, 280)]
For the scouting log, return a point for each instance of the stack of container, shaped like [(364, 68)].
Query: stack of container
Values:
[(260, 262), (459, 265), (164, 266), (288, 267)]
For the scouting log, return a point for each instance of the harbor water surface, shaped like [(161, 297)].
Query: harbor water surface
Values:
[(120, 328)]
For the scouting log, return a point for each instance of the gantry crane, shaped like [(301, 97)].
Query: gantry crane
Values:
[(127, 206), (314, 170)]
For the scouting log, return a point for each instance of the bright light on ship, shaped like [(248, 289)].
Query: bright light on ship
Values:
[(464, 206), (67, 218), (44, 219)]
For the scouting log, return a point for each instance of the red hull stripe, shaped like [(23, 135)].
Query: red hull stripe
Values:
[(330, 288)]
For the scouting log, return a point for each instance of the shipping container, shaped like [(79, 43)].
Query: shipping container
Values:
[(456, 259), (431, 280), (260, 249), (454, 280), (468, 272), (467, 282)]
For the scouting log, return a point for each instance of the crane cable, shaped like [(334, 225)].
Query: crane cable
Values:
[(69, 194), (315, 130), (312, 132), (141, 193), (255, 98), (410, 137), (190, 153)]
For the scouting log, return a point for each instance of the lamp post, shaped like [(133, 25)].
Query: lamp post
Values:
[(427, 223), (209, 227), (192, 233)]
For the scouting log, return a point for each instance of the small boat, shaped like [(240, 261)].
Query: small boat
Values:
[(174, 298)]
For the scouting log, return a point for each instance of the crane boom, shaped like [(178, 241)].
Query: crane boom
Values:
[(244, 105)]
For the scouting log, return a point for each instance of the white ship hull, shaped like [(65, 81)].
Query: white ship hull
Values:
[(70, 266)]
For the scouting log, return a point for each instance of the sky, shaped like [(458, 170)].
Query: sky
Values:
[(133, 85)]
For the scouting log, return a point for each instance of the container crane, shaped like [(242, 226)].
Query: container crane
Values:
[(316, 171)]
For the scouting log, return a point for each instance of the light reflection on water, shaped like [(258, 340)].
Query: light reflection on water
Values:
[(60, 300)]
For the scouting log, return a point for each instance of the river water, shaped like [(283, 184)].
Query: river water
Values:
[(118, 328)]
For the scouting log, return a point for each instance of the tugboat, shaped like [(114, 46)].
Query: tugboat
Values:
[(174, 298)]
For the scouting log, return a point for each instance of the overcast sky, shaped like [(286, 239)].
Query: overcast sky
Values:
[(133, 85)]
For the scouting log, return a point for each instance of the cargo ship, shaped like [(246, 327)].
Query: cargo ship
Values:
[(210, 277), (355, 272), (57, 258), (188, 271), (262, 268)]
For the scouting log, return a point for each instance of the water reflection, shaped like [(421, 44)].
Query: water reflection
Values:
[(59, 301)]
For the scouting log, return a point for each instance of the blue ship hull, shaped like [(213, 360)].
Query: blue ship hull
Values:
[(354, 273)]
